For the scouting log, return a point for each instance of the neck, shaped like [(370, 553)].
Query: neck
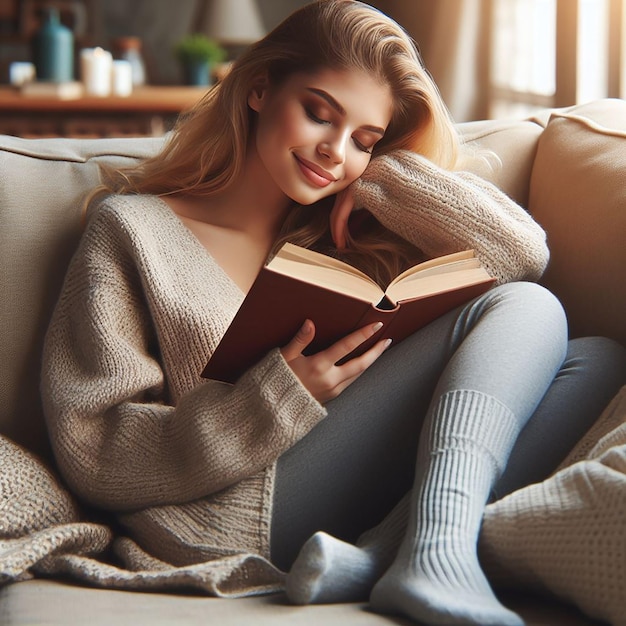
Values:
[(253, 204)]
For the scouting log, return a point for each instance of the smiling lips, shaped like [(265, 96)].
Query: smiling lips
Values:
[(313, 173)]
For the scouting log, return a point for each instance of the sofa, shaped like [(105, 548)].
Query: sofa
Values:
[(566, 166)]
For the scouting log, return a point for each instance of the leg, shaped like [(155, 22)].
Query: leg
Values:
[(489, 390), (593, 372), (492, 369), (353, 467)]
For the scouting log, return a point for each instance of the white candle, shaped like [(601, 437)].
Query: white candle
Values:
[(96, 65), (21, 72), (122, 78)]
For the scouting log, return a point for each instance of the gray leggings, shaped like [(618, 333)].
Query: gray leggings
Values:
[(511, 343)]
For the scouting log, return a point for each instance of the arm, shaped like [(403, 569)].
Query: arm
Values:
[(120, 439), (442, 212)]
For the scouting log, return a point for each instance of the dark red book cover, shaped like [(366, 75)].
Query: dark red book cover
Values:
[(277, 305)]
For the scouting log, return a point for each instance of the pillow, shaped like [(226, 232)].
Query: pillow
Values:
[(578, 194), (566, 534)]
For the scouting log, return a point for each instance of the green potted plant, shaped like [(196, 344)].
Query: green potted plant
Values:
[(197, 53)]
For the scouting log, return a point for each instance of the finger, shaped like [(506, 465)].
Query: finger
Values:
[(299, 343), (353, 368), (350, 342), (339, 216)]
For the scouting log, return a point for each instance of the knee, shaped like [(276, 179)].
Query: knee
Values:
[(533, 304)]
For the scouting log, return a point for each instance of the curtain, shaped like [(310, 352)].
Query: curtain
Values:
[(453, 37)]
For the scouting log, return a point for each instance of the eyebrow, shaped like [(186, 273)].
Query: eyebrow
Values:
[(335, 105)]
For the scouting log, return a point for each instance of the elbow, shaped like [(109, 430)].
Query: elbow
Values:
[(526, 262)]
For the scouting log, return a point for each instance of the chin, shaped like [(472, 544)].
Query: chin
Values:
[(311, 197)]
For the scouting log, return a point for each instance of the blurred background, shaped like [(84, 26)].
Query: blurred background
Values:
[(490, 58)]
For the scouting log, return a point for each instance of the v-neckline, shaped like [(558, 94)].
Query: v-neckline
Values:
[(193, 239)]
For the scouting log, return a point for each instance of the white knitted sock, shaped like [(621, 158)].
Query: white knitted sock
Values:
[(566, 534), (329, 570), (436, 577)]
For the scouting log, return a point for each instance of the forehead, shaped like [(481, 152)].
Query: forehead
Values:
[(358, 93)]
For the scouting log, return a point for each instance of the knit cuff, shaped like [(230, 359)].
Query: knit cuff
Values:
[(281, 389)]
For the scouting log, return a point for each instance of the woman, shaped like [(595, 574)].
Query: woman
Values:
[(197, 470)]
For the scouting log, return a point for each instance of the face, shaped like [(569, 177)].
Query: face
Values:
[(315, 132)]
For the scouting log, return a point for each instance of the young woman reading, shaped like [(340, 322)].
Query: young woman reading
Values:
[(330, 134)]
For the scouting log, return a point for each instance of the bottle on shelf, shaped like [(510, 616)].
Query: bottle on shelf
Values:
[(53, 49), (129, 49)]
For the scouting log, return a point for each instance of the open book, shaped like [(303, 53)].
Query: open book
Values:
[(299, 283)]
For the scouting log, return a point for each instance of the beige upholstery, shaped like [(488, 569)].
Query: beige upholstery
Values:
[(578, 194), (570, 175), (42, 184)]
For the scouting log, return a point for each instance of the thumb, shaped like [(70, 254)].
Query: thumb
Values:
[(299, 343)]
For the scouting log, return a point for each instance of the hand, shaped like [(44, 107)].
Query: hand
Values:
[(339, 216), (318, 372)]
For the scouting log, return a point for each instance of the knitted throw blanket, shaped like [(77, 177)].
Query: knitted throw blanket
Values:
[(42, 532), (567, 534)]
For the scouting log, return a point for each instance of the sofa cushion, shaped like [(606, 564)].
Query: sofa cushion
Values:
[(515, 144), (578, 194), (51, 602), (42, 186)]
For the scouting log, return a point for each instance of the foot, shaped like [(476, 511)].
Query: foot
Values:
[(440, 594), (329, 571)]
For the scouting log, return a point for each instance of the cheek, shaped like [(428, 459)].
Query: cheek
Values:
[(356, 166), (281, 127)]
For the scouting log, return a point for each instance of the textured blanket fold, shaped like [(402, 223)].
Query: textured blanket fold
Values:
[(567, 534), (42, 533)]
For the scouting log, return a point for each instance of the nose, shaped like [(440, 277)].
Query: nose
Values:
[(334, 148)]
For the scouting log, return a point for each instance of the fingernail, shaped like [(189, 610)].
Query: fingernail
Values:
[(377, 326), (387, 343)]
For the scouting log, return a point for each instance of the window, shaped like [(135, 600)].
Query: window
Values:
[(549, 53)]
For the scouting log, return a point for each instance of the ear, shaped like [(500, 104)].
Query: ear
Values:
[(258, 94)]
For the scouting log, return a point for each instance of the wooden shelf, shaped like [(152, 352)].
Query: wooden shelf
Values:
[(148, 111)]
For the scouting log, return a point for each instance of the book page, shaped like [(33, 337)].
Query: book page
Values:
[(435, 281), (324, 271), (439, 274), (443, 264)]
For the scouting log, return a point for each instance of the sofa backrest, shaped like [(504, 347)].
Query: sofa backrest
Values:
[(42, 186), (43, 183)]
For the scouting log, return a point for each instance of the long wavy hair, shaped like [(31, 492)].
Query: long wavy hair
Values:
[(207, 148)]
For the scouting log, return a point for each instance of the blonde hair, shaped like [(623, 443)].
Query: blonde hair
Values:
[(207, 148)]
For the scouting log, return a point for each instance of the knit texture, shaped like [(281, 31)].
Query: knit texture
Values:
[(443, 212), (41, 533), (566, 534), (187, 465), (435, 577)]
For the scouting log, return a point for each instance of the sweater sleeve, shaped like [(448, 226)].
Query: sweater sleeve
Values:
[(120, 440), (443, 212)]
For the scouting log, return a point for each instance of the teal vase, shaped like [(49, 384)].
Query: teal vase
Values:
[(53, 48)]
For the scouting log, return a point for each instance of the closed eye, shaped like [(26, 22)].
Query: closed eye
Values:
[(315, 118), (362, 147)]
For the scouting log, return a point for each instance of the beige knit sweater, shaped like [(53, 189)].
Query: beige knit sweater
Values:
[(187, 465)]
